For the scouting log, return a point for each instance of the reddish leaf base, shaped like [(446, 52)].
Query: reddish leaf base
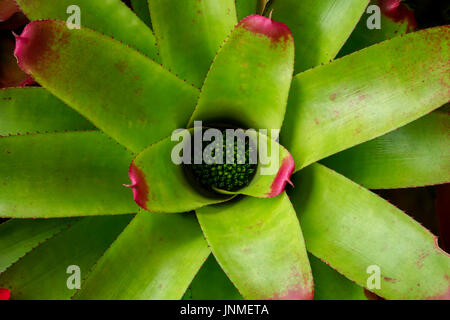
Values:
[(396, 11), (5, 294)]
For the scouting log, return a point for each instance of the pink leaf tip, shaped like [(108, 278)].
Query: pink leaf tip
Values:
[(138, 185), (276, 31), (283, 177), (5, 294)]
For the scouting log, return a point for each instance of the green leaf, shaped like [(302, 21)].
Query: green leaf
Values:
[(125, 94), (330, 285), (19, 236), (259, 245), (189, 33), (245, 8), (320, 28), (211, 283), (155, 257), (140, 7), (160, 185), (411, 156), (395, 20), (353, 229), (367, 94), (62, 175), (43, 273), (111, 17), (248, 89), (34, 110)]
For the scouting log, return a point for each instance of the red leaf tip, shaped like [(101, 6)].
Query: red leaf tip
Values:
[(283, 177), (5, 294), (138, 185), (266, 26)]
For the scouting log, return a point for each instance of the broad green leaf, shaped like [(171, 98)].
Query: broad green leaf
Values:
[(111, 17), (211, 283), (245, 8), (155, 257), (19, 236), (357, 232), (35, 110), (366, 94), (330, 285), (128, 96), (10, 73), (248, 84), (320, 28), (140, 7), (161, 185), (414, 155), (259, 245), (44, 274), (63, 175), (396, 19), (189, 33)]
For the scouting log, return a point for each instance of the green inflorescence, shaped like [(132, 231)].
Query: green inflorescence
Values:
[(228, 177)]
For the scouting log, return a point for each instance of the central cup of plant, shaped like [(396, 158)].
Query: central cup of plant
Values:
[(227, 164)]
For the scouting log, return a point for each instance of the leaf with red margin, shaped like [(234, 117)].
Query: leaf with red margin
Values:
[(259, 245), (112, 17), (320, 28), (248, 83), (128, 96), (352, 228), (396, 20)]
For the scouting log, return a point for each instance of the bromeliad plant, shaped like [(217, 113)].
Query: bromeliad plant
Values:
[(131, 86)]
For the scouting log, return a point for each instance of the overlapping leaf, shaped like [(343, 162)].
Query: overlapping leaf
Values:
[(414, 155), (320, 28), (367, 94), (259, 244), (44, 272), (248, 89), (155, 257), (63, 175), (189, 33), (111, 17), (128, 96), (353, 229)]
